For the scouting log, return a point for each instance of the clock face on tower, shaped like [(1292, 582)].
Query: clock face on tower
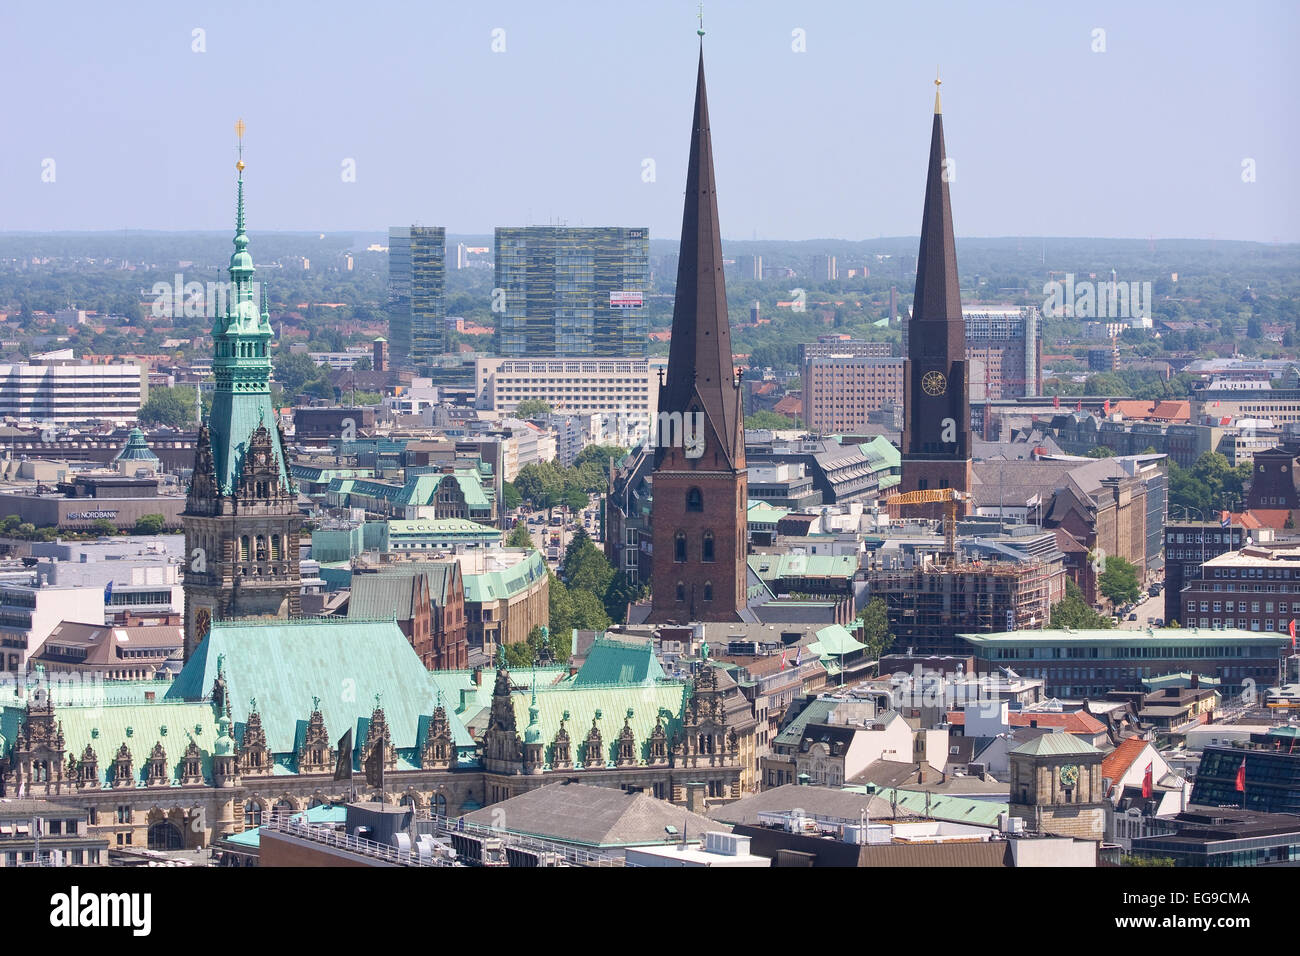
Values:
[(1069, 775), (934, 383)]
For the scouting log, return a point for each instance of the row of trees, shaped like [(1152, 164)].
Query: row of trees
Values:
[(549, 485), (1210, 485), (13, 526), (588, 594)]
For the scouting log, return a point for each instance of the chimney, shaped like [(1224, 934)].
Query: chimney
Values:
[(478, 676), (695, 797), (920, 774), (1196, 681)]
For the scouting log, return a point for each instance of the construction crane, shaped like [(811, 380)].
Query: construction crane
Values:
[(948, 497)]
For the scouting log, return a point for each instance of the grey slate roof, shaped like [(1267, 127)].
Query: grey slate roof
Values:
[(578, 814), (821, 801)]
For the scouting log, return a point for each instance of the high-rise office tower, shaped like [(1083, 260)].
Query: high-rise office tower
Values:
[(936, 417), (571, 292), (417, 312)]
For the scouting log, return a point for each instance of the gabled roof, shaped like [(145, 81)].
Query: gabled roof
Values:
[(379, 596), (611, 661), (1119, 760)]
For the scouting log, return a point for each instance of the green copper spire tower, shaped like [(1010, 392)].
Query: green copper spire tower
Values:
[(241, 518)]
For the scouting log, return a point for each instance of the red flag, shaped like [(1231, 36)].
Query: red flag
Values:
[(1291, 628), (1241, 776), (783, 660), (1105, 407), (1056, 401), (1146, 780)]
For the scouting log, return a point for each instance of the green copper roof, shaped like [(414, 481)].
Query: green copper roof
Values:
[(612, 661), (136, 448), (418, 490), (612, 702), (880, 451), (835, 639), (342, 661), (452, 683), (495, 585), (1056, 745), (770, 567), (138, 725), (980, 813), (760, 512)]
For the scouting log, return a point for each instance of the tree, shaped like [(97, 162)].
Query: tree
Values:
[(576, 500), (771, 420), (533, 408), (620, 593), (363, 364), (294, 370), (520, 655), (103, 527), (585, 567), (599, 455), (588, 612), (1100, 451), (875, 627), (541, 485), (513, 499), (519, 537), (560, 617), (1074, 611), (173, 407), (150, 524), (1119, 582)]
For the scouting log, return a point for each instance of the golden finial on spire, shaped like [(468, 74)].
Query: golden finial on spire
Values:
[(937, 83), (239, 133)]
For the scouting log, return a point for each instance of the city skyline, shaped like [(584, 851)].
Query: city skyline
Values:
[(428, 124)]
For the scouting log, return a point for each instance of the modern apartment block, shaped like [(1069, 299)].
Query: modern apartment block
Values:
[(417, 311), (840, 392), (1004, 352), (624, 391), (61, 392), (571, 291)]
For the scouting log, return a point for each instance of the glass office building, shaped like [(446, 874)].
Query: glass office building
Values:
[(572, 292), (417, 311)]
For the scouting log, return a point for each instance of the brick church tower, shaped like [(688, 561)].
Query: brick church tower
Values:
[(700, 487), (241, 517), (936, 398)]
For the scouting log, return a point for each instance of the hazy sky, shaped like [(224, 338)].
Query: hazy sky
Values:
[(1049, 138)]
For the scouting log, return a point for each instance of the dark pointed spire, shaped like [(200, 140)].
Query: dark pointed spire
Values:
[(938, 297), (700, 372)]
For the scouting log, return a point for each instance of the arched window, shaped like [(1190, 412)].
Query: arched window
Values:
[(694, 500), (252, 814), (681, 591), (708, 590), (679, 547), (708, 546), (243, 548)]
